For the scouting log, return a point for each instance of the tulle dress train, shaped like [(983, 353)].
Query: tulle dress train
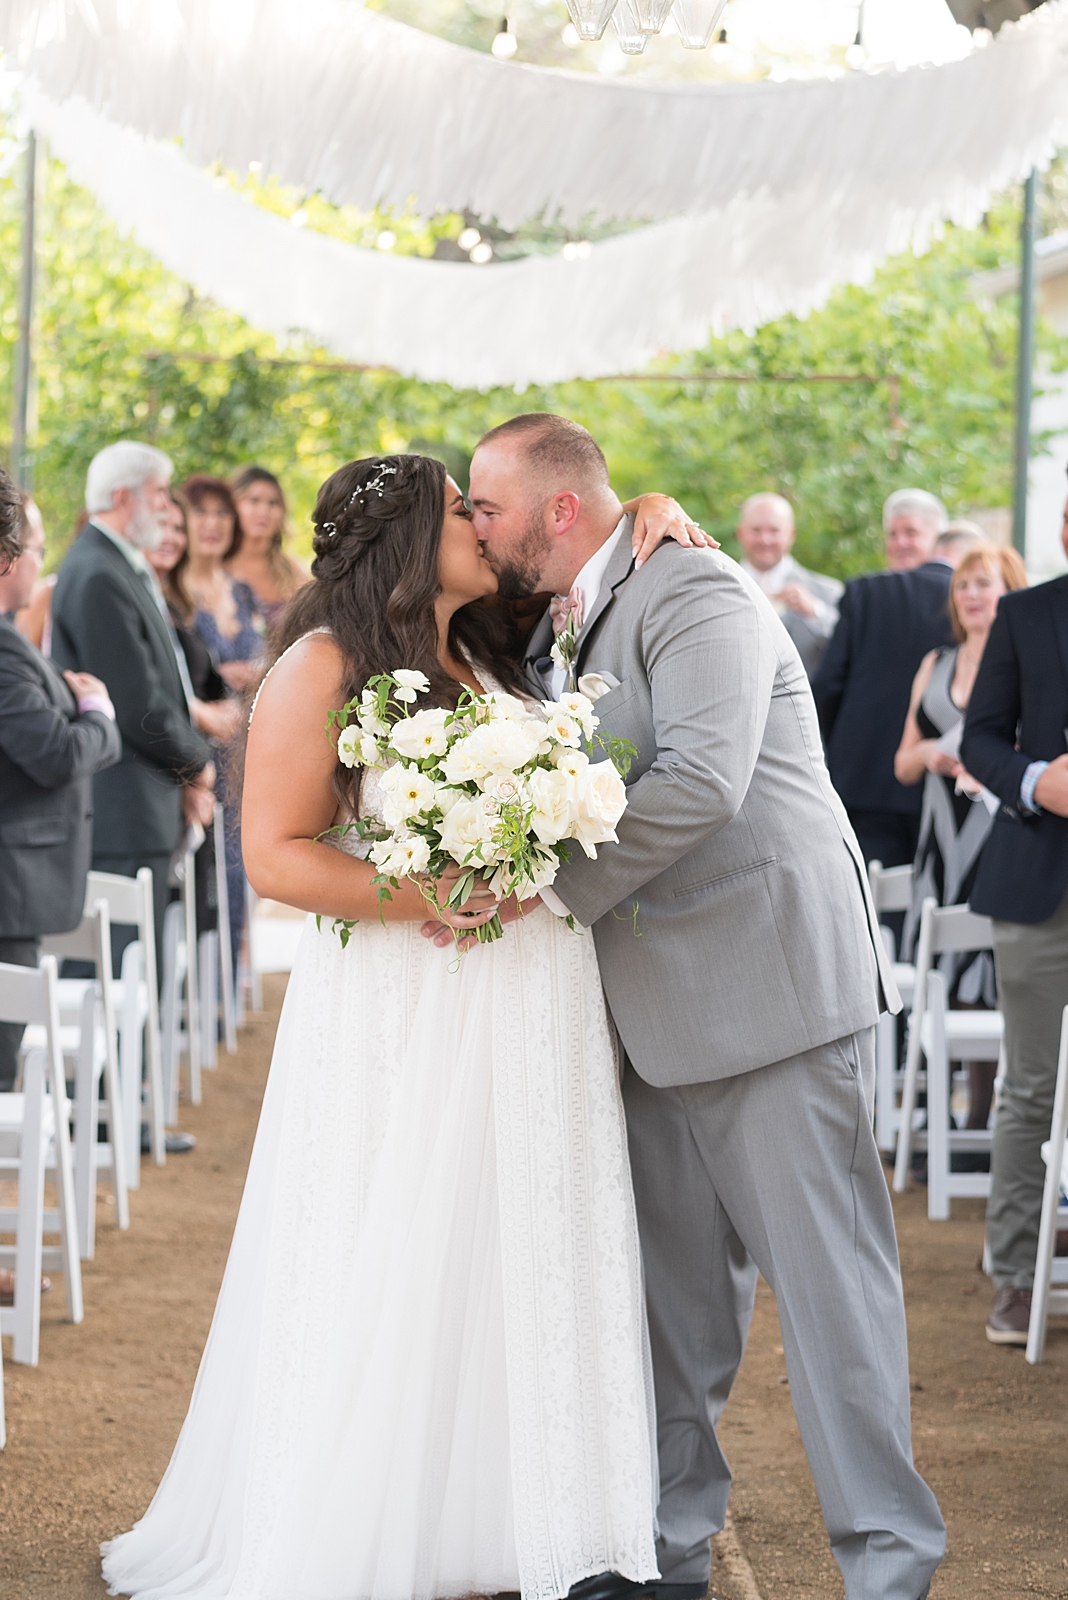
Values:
[(427, 1373)]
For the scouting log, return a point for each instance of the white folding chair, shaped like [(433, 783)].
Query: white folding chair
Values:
[(179, 1009), (216, 974), (1051, 1271), (135, 1000), (92, 1048), (943, 1037), (251, 976), (891, 890), (34, 1130)]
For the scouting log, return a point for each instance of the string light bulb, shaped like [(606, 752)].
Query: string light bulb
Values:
[(504, 44)]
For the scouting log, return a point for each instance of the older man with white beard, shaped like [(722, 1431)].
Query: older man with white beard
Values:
[(110, 619)]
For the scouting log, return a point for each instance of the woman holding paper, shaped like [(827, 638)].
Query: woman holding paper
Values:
[(957, 817)]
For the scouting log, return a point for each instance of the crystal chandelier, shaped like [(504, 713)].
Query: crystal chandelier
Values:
[(637, 20)]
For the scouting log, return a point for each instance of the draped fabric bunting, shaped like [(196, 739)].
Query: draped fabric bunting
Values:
[(339, 100), (771, 194)]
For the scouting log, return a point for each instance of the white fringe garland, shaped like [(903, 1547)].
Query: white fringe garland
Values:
[(774, 193)]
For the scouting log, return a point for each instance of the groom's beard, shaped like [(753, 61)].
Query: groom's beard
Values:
[(519, 573)]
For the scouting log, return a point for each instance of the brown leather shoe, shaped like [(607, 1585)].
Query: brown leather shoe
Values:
[(1011, 1312)]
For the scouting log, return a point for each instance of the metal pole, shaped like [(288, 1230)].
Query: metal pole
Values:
[(1024, 364), (20, 464)]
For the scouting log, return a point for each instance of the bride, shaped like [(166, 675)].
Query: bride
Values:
[(427, 1374)]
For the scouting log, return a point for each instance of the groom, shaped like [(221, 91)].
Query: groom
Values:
[(739, 956)]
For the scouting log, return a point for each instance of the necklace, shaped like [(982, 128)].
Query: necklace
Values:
[(973, 661)]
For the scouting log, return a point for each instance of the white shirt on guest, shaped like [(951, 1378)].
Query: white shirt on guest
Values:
[(788, 571)]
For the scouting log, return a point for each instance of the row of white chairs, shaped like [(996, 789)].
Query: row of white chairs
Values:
[(106, 1034), (938, 1040)]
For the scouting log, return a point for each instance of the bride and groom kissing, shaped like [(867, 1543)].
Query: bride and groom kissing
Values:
[(497, 1253)]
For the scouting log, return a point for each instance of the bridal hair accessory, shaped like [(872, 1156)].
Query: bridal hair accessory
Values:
[(375, 485)]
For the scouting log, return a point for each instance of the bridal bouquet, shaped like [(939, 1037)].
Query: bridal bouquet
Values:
[(494, 788)]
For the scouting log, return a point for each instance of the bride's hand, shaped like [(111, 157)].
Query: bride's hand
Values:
[(445, 931), (658, 517), (478, 908)]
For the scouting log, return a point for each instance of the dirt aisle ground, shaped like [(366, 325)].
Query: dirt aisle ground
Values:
[(91, 1429)]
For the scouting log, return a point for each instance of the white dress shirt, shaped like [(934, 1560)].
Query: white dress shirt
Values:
[(588, 583), (788, 571)]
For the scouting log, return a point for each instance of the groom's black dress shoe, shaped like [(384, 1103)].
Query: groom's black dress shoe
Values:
[(606, 1586)]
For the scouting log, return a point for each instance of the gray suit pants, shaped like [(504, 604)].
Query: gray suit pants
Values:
[(1032, 966), (777, 1169)]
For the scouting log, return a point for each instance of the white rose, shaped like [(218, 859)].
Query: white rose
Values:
[(348, 747), (446, 798), (506, 790), (411, 684), (465, 830), (505, 707), (554, 814), (464, 762), (505, 748), (600, 801), (572, 762), (421, 736), (580, 710)]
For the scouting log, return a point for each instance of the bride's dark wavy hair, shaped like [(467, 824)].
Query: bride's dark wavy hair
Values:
[(375, 581)]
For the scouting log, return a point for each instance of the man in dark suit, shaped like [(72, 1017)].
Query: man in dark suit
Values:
[(109, 618), (887, 622), (1014, 742), (54, 735)]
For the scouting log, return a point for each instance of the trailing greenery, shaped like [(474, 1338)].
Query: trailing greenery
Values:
[(939, 414)]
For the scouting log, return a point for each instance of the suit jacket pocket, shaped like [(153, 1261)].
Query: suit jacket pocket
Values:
[(23, 832), (731, 876)]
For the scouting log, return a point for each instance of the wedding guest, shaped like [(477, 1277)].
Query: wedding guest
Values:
[(56, 731), (261, 559), (955, 822), (1014, 743), (806, 601), (230, 623), (110, 618), (34, 619), (215, 710), (887, 623)]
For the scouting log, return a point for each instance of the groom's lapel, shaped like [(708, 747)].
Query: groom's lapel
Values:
[(536, 659), (617, 572)]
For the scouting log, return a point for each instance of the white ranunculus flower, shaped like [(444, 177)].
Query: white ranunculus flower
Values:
[(580, 710), (372, 724), (407, 857), (369, 751), (381, 851), (409, 793), (348, 747), (553, 815), (600, 801), (411, 684), (561, 728), (465, 829), (573, 762), (421, 735)]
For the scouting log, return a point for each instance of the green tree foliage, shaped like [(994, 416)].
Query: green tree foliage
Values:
[(115, 333)]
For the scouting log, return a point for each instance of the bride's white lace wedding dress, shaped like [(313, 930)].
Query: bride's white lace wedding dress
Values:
[(427, 1373)]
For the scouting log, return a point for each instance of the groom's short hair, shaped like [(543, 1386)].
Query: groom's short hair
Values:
[(555, 447)]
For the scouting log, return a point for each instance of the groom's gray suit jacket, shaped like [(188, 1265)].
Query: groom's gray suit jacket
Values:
[(756, 937)]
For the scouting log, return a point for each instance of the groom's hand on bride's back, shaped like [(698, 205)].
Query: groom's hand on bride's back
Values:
[(446, 932), (658, 517)]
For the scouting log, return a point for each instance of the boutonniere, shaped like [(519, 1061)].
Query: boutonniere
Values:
[(566, 612)]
